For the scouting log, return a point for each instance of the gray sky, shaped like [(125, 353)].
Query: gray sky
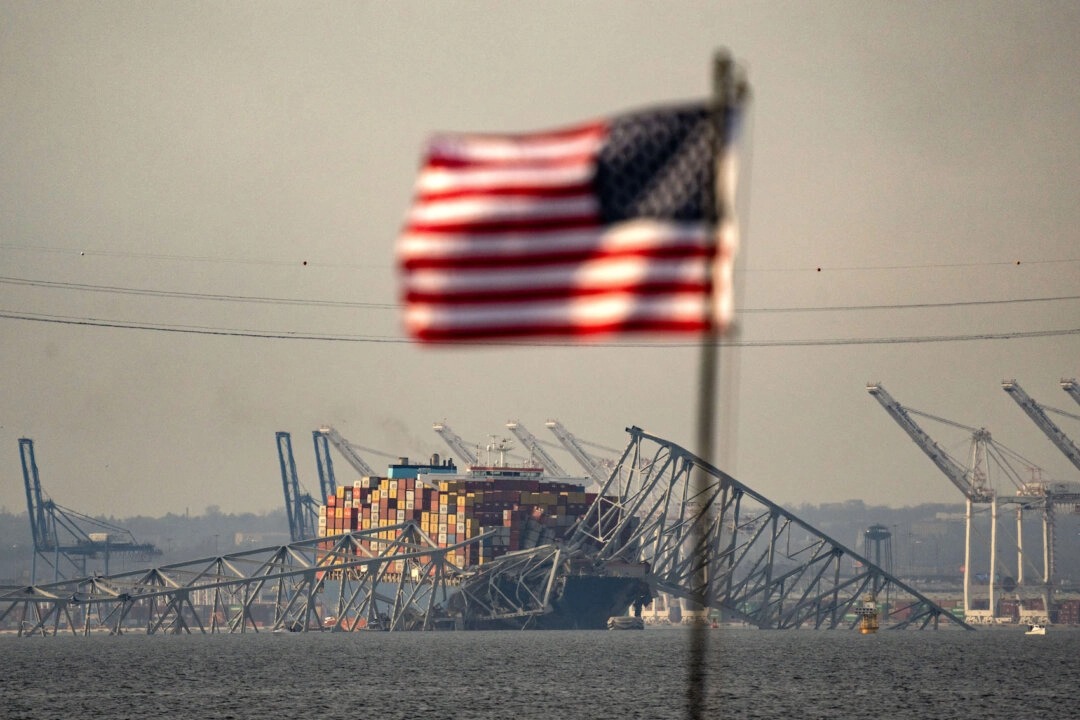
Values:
[(915, 152)]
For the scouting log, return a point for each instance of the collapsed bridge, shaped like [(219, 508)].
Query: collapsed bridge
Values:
[(664, 521)]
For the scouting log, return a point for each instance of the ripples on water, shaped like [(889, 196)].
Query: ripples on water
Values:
[(952, 675)]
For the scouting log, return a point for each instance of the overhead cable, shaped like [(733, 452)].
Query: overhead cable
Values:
[(293, 335)]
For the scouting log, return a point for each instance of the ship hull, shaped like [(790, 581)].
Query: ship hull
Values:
[(584, 603)]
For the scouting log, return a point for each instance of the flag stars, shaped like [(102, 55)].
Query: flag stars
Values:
[(657, 166)]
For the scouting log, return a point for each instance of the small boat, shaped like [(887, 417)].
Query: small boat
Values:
[(625, 622), (1038, 629)]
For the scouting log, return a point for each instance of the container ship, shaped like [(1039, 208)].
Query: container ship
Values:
[(519, 509)]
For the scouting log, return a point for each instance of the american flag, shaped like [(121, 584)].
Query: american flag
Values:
[(606, 227)]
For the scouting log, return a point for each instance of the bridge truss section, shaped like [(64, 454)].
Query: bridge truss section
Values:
[(390, 578), (664, 517), (717, 543), (515, 590)]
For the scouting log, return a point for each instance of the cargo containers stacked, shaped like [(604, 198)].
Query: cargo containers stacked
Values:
[(1068, 612), (371, 503), (522, 507)]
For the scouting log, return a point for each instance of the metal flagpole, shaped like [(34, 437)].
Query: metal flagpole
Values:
[(728, 94)]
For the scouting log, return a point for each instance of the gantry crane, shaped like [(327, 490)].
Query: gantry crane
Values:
[(61, 534), (974, 485), (1054, 494), (971, 483), (591, 465), (456, 443), (1072, 387), (324, 464), (348, 451), (1038, 414), (301, 509), (531, 442)]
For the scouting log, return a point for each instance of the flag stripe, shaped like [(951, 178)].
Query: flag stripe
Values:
[(685, 311), (465, 210), (535, 259), (436, 180), (555, 190), (511, 225), (516, 297), (581, 140), (623, 274), (416, 248)]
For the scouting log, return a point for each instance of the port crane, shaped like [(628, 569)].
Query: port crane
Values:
[(970, 482), (455, 442), (324, 464), (973, 483), (1037, 413), (63, 538), (532, 443), (1057, 493), (301, 509), (592, 466), (1072, 387), (348, 451)]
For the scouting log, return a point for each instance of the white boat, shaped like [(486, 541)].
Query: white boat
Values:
[(1036, 630)]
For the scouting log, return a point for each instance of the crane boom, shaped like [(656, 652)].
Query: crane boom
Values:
[(62, 533), (34, 504), (348, 452), (1039, 416), (1072, 387), (533, 444), (456, 443), (324, 464), (593, 468), (296, 505), (953, 470)]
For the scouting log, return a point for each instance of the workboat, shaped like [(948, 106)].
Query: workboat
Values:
[(1037, 629), (868, 615), (625, 622)]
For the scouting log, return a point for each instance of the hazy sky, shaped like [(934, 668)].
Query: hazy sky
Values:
[(915, 153)]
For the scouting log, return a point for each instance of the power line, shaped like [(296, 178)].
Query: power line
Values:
[(301, 262), (907, 306), (192, 295), (393, 306), (185, 258), (193, 329), (918, 266), (292, 335)]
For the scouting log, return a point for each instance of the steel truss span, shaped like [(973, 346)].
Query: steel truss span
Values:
[(390, 578), (716, 543), (664, 522)]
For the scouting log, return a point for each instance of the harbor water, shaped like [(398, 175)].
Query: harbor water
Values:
[(559, 675)]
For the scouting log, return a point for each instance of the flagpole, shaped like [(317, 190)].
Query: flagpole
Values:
[(727, 94)]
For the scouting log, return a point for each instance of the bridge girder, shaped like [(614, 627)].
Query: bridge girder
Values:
[(381, 582), (717, 543)]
